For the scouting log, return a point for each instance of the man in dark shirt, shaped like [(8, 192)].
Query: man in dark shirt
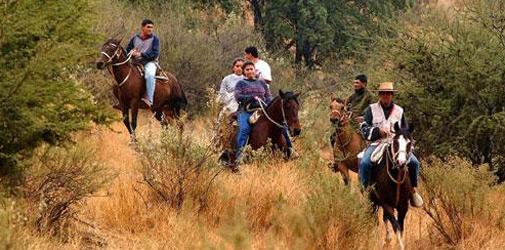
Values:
[(145, 49), (360, 99)]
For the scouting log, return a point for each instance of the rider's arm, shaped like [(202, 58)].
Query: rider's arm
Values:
[(224, 96), (154, 52), (368, 131), (130, 45), (268, 95), (240, 92)]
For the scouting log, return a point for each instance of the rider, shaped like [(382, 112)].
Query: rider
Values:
[(358, 101), (227, 90), (248, 92), (379, 120), (361, 98), (145, 49), (263, 72)]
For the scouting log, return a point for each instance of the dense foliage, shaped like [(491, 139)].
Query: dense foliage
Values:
[(322, 29), (42, 45), (453, 76)]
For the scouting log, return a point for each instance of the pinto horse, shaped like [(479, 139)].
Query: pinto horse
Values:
[(392, 189), (169, 97), (281, 112), (346, 141)]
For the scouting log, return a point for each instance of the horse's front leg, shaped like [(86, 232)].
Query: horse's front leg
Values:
[(126, 118), (135, 112)]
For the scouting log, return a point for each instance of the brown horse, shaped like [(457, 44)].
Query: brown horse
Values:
[(169, 98), (346, 141), (281, 112), (392, 188)]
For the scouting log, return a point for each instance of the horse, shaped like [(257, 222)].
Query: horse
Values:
[(169, 97), (346, 141), (392, 188), (282, 112)]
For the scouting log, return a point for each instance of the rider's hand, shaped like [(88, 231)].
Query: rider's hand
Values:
[(384, 133), (136, 53), (359, 119)]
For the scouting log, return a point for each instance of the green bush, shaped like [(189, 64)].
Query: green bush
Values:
[(449, 66), (43, 45)]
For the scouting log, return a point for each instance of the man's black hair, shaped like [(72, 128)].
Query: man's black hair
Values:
[(362, 78), (146, 22), (252, 50)]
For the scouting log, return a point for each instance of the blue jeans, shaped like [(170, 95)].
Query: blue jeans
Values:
[(365, 168), (244, 128), (149, 75)]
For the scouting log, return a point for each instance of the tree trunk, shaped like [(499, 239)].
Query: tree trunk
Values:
[(257, 6)]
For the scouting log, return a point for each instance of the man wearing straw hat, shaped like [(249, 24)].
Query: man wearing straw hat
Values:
[(379, 119)]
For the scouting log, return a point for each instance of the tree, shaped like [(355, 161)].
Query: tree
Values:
[(453, 80), (43, 45), (332, 29)]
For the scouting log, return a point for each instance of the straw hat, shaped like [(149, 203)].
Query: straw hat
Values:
[(386, 87)]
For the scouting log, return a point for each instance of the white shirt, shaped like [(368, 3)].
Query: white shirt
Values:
[(263, 71), (227, 91)]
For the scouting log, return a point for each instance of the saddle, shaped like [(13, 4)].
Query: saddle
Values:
[(160, 73), (377, 154)]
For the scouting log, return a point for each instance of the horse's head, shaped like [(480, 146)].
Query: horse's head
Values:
[(109, 53), (291, 106), (402, 145), (338, 113)]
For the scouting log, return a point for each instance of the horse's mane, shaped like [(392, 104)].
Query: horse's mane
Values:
[(287, 96)]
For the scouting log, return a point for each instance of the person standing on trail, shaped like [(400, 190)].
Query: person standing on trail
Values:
[(145, 49), (263, 71), (379, 118)]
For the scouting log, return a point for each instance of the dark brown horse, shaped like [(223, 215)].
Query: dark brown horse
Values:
[(282, 110), (392, 189), (169, 98), (346, 141)]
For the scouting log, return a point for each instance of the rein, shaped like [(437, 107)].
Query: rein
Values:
[(116, 54), (262, 106), (398, 181)]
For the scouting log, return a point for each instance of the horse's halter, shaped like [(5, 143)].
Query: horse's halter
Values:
[(336, 113), (284, 124), (402, 149), (116, 55)]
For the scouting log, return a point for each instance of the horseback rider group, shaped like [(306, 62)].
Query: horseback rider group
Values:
[(248, 88)]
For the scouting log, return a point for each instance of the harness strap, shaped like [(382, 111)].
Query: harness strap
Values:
[(262, 106)]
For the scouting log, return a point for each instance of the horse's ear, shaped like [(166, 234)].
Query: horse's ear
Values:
[(411, 128), (397, 127), (333, 97), (281, 94)]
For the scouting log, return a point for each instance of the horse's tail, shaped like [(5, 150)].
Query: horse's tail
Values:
[(178, 101)]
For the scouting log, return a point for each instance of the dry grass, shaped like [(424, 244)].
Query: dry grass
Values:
[(284, 205)]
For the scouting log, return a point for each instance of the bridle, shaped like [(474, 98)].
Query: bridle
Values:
[(284, 124), (116, 55)]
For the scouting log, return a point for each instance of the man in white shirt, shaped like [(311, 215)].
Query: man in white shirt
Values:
[(263, 71)]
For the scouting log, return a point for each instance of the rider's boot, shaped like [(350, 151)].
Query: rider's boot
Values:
[(416, 200)]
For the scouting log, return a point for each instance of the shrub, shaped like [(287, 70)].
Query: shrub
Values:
[(178, 170), (458, 195), (58, 182)]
